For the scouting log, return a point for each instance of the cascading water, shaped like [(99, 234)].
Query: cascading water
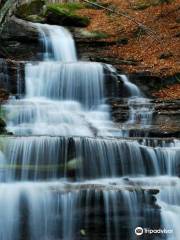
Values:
[(57, 126), (35, 158), (62, 98), (58, 43), (141, 109)]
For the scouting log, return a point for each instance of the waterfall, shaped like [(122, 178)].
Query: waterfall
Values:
[(141, 109), (132, 88), (67, 173), (60, 81), (63, 96), (58, 43), (36, 158), (49, 211), (169, 200)]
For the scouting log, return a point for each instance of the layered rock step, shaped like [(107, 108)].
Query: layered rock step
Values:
[(161, 117), (97, 209), (46, 157)]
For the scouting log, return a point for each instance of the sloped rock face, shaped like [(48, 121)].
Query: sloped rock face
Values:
[(19, 40)]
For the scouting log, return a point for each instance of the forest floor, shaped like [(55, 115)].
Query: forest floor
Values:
[(157, 53)]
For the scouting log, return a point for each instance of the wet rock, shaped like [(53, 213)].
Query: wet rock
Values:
[(35, 18)]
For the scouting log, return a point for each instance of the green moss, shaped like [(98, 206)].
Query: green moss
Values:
[(35, 18), (73, 164), (33, 8), (71, 7), (94, 34), (65, 14), (143, 4)]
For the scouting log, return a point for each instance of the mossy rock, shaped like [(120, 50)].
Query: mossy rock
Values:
[(28, 9), (94, 34), (71, 7), (35, 18), (65, 14)]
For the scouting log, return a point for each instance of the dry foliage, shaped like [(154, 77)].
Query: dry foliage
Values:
[(159, 58), (169, 93)]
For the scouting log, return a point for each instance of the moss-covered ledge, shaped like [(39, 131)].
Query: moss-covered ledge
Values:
[(66, 14)]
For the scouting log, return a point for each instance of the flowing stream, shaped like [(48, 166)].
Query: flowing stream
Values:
[(65, 173)]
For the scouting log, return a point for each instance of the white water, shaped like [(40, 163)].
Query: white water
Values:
[(62, 98), (169, 201), (58, 43), (132, 88), (49, 211), (36, 158), (141, 109), (78, 81), (65, 97)]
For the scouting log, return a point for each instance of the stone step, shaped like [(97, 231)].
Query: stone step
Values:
[(91, 210), (147, 141), (46, 157)]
